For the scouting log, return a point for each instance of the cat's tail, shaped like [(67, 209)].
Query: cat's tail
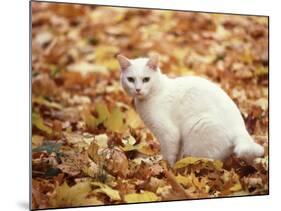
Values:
[(246, 148)]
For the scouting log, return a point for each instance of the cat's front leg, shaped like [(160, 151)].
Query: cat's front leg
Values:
[(169, 139)]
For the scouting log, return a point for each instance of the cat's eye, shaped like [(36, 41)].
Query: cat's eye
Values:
[(146, 79), (131, 79)]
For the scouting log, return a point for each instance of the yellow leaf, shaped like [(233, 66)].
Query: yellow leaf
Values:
[(105, 51), (186, 161), (102, 111), (236, 187), (201, 184), (43, 101), (192, 160), (73, 196), (183, 180), (38, 122), (142, 147), (37, 141), (185, 70), (89, 119), (218, 164), (115, 121), (132, 119), (261, 70), (145, 196), (145, 149), (111, 64), (128, 148), (105, 56), (111, 193), (247, 56)]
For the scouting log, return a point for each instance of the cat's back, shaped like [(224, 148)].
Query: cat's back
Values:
[(201, 95), (195, 85), (187, 82)]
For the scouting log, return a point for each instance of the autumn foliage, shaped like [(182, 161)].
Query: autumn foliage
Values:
[(89, 146)]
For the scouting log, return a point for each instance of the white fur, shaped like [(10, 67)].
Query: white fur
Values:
[(190, 116)]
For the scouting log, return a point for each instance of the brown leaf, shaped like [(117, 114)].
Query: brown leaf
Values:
[(116, 162)]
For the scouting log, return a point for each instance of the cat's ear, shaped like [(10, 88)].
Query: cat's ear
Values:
[(153, 62), (123, 62)]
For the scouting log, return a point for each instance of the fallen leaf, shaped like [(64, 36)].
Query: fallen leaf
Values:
[(236, 187), (38, 122), (116, 162), (42, 101), (101, 140), (103, 113), (183, 180), (103, 188), (115, 120), (37, 141), (89, 119), (77, 195), (133, 119), (192, 160), (73, 138), (144, 196)]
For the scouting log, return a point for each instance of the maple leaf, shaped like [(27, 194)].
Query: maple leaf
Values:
[(77, 195)]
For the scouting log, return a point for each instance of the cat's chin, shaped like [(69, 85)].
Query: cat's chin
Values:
[(139, 96)]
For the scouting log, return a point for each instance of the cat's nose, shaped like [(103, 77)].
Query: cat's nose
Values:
[(138, 90)]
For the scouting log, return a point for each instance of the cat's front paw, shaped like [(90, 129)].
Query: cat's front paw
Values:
[(248, 151)]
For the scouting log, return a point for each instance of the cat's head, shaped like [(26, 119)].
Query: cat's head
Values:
[(138, 76)]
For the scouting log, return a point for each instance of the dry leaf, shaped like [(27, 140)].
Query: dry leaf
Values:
[(145, 196), (113, 194)]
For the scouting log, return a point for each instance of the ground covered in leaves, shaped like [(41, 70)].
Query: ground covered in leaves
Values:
[(89, 146)]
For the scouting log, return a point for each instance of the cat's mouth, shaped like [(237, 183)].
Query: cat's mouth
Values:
[(139, 95)]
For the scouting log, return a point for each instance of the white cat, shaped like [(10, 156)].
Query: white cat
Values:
[(190, 116)]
